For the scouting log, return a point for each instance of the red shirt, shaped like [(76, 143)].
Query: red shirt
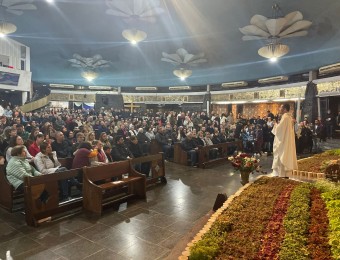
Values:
[(34, 149)]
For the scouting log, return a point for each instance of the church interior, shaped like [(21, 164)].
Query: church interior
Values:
[(167, 74)]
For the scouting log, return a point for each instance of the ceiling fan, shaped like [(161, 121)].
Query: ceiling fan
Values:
[(18, 7)]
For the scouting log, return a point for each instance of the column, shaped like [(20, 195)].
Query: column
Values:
[(319, 108), (298, 109), (24, 97), (208, 100)]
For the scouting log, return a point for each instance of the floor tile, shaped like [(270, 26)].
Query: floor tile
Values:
[(181, 227), (54, 237), (161, 220), (154, 234), (171, 241), (79, 249), (106, 254), (112, 219), (131, 226), (76, 223), (144, 251), (38, 253), (118, 241), (97, 232), (7, 232), (18, 246)]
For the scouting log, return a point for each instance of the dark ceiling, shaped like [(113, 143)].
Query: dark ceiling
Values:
[(55, 32)]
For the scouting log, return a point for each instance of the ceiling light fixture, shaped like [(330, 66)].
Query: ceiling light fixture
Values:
[(134, 36), (274, 29), (182, 73), (50, 1), (6, 28), (89, 75), (273, 51)]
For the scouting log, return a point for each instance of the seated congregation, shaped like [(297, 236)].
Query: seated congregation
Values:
[(50, 155)]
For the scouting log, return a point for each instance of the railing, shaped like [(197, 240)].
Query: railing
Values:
[(35, 104)]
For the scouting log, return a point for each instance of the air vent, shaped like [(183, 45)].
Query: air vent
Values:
[(329, 69), (146, 88), (235, 84), (61, 86), (180, 88), (100, 87), (273, 79)]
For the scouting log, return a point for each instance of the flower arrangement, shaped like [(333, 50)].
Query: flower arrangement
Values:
[(244, 162)]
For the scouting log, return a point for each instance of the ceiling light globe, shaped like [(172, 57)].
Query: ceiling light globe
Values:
[(182, 73), (89, 75), (134, 36), (273, 60), (6, 28), (273, 50)]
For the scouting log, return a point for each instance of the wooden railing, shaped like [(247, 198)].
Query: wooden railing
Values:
[(35, 104)]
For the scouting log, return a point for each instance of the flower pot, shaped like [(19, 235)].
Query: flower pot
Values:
[(245, 177)]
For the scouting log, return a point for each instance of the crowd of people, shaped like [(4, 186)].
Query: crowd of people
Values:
[(94, 138)]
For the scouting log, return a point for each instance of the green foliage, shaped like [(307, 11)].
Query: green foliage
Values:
[(331, 196), (296, 224), (333, 152), (206, 249)]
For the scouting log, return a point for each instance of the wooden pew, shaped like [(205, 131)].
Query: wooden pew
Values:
[(10, 199), (157, 167), (98, 192), (180, 156), (35, 209), (222, 154), (66, 162), (155, 147)]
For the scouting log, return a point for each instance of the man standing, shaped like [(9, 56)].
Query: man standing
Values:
[(284, 161)]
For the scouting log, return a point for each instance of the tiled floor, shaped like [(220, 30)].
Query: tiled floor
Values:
[(140, 230)]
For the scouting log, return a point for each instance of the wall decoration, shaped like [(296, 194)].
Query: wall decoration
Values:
[(328, 88)]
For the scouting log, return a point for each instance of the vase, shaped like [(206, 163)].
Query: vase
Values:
[(245, 177)]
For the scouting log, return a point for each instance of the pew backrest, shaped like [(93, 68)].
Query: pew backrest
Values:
[(107, 171), (157, 167), (66, 162)]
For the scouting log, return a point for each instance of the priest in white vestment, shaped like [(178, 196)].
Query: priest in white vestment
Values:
[(284, 150)]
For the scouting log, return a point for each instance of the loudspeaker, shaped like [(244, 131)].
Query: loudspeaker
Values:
[(220, 199), (105, 100)]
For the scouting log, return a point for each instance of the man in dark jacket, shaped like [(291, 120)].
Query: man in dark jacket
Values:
[(61, 146), (137, 151), (165, 143), (190, 146), (119, 151), (143, 141)]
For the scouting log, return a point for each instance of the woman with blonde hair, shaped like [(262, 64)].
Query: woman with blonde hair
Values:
[(87, 127), (90, 137)]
